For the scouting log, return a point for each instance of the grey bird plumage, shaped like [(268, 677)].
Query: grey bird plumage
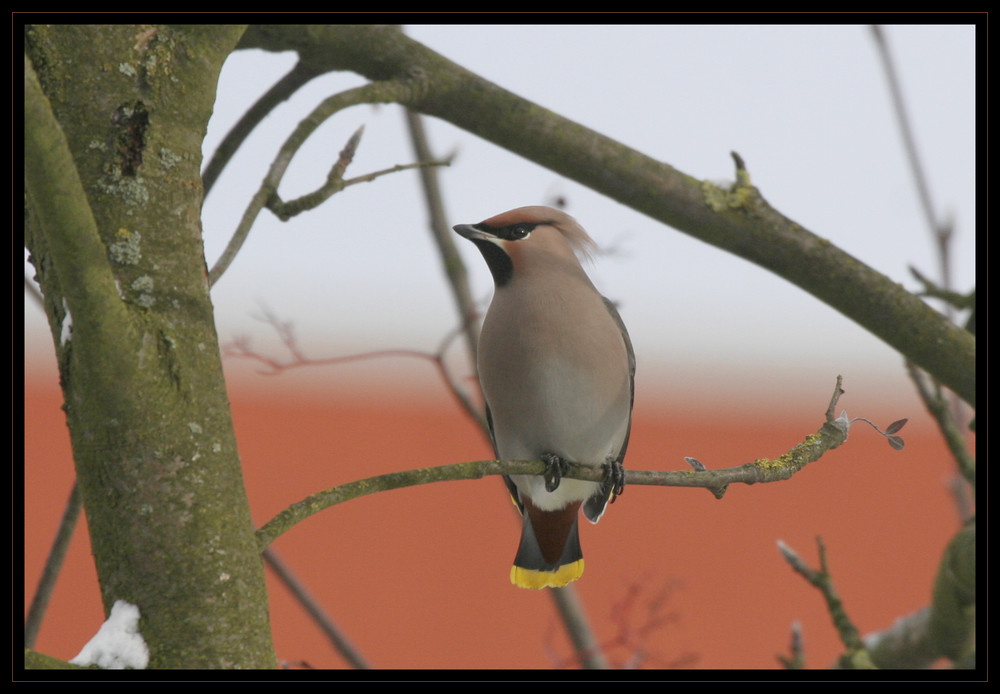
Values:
[(557, 369)]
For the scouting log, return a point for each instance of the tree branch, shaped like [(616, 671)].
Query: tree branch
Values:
[(376, 92), (444, 238), (831, 434), (940, 409), (856, 656), (53, 565), (279, 92), (907, 644), (738, 220), (941, 231), (240, 348), (315, 610), (335, 181)]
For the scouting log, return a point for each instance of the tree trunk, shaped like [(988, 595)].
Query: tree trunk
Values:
[(114, 122)]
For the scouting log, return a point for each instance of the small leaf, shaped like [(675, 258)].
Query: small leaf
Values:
[(843, 422), (896, 442), (696, 464), (895, 426)]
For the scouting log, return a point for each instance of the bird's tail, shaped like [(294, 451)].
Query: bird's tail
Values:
[(549, 555)]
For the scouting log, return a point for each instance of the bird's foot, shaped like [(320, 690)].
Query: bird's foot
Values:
[(555, 468), (614, 478)]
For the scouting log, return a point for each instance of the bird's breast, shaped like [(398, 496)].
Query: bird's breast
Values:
[(555, 381)]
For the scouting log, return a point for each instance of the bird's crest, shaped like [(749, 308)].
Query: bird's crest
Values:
[(578, 239)]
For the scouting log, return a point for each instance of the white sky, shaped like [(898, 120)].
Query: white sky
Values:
[(807, 107)]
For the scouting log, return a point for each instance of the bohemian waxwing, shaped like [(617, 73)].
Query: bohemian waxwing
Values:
[(556, 367)]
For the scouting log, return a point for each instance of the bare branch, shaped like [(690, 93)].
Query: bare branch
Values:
[(954, 299), (374, 92), (240, 348), (856, 656), (830, 435), (797, 658), (323, 620), (53, 565), (588, 652), (279, 92), (738, 220), (941, 230), (444, 238), (335, 181), (939, 407), (636, 615)]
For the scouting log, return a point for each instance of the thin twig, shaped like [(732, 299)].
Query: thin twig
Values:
[(946, 410), (796, 660), (373, 92), (53, 565), (574, 618), (240, 348), (325, 623), (444, 238), (940, 409), (335, 181), (635, 620), (941, 231), (856, 656), (279, 92), (954, 299)]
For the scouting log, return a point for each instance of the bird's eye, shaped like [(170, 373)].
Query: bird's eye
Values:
[(520, 231)]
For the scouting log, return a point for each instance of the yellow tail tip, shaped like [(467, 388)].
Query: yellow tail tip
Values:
[(536, 580)]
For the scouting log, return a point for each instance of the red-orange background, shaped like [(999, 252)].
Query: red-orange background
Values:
[(418, 578)]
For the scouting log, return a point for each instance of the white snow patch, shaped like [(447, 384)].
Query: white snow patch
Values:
[(117, 644), (67, 326)]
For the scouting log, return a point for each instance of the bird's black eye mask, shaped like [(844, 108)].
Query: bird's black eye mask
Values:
[(499, 263), (511, 232)]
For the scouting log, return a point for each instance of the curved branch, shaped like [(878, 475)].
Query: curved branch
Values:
[(738, 220), (335, 181), (377, 92), (279, 92), (831, 434)]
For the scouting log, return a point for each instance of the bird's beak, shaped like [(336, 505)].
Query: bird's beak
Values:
[(472, 233)]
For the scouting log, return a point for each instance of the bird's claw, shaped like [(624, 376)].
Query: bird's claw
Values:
[(555, 468), (614, 478)]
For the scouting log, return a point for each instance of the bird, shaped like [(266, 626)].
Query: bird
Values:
[(557, 371)]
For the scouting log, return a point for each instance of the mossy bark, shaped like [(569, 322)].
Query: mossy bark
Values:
[(114, 122)]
